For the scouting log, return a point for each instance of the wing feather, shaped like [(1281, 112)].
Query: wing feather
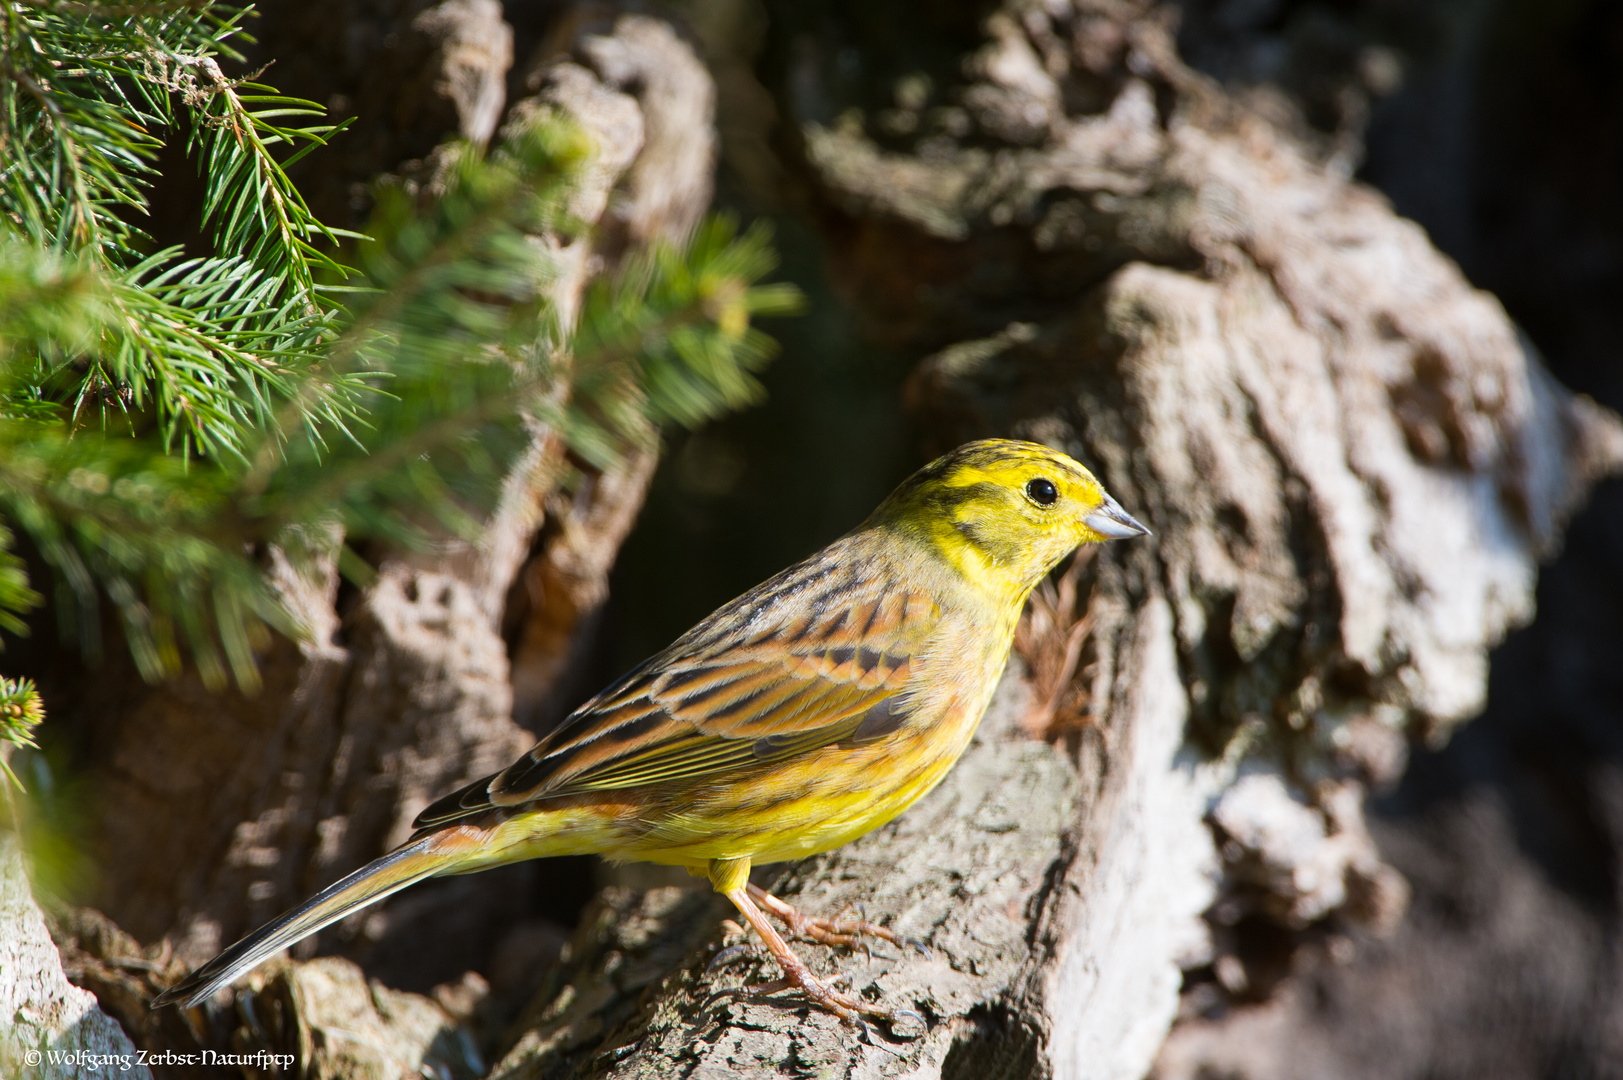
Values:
[(818, 656)]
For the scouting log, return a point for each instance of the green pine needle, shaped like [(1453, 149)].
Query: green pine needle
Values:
[(21, 711)]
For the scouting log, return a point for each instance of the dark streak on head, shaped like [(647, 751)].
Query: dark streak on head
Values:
[(991, 455), (947, 500)]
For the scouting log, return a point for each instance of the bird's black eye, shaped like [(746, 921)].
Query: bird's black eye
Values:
[(1042, 491)]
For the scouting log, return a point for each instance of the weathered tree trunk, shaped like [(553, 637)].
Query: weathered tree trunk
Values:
[(1352, 464)]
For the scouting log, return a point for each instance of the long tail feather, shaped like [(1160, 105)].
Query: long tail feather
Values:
[(372, 882)]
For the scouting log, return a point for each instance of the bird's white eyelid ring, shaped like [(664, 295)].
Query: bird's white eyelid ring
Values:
[(1113, 523)]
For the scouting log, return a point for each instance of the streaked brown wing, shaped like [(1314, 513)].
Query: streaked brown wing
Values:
[(820, 654)]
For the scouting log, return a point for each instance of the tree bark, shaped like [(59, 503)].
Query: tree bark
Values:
[(54, 1030)]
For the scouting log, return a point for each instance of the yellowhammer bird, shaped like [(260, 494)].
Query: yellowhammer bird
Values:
[(815, 707)]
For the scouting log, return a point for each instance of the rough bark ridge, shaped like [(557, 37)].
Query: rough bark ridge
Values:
[(216, 813), (322, 1019), (1351, 462), (53, 1029), (1497, 138)]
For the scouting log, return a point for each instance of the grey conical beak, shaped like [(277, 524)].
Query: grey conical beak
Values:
[(1113, 523)]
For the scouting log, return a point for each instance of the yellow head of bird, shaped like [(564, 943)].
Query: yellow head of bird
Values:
[(1006, 511)]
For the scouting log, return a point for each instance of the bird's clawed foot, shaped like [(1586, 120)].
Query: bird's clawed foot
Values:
[(903, 1023), (797, 976), (848, 1007), (845, 932)]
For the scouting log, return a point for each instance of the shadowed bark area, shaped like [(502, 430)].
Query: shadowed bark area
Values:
[(51, 1024)]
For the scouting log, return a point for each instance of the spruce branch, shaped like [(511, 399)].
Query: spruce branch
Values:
[(21, 711), (206, 346), (163, 418)]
